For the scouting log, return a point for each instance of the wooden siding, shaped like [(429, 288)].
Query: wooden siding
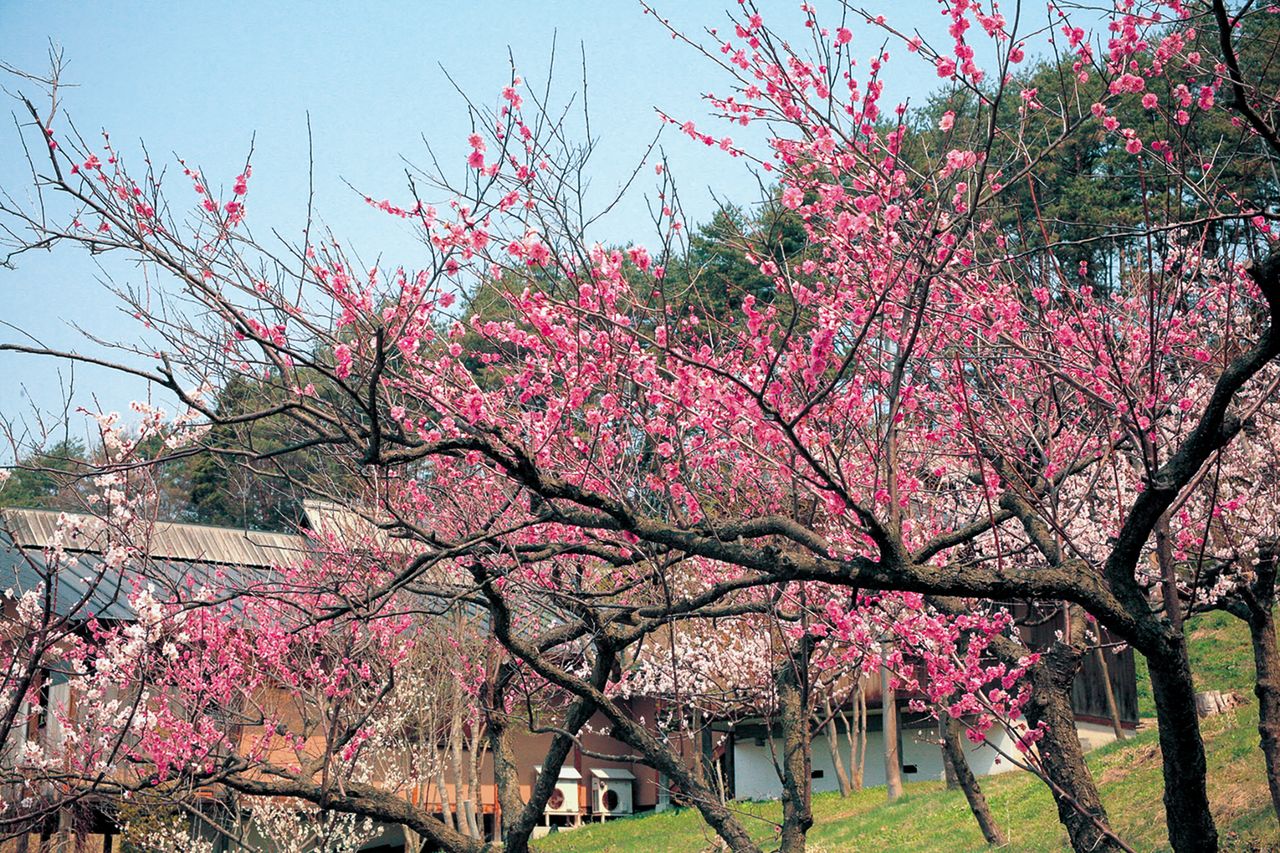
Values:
[(1088, 695)]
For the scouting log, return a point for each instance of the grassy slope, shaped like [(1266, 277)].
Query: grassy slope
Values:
[(931, 818)]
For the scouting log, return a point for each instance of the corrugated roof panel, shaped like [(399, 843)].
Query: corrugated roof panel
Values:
[(565, 772), (178, 556), (38, 528), (81, 588), (355, 527), (612, 773)]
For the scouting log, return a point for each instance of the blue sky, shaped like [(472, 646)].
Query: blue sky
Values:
[(202, 80)]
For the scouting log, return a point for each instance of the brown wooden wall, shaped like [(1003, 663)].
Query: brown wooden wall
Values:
[(1088, 696)]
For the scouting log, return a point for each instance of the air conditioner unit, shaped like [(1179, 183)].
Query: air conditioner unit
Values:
[(564, 799), (611, 791)]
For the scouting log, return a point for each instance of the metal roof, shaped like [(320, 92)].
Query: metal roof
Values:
[(176, 557), (566, 772), (173, 557), (37, 528), (612, 773), (357, 527), (81, 588)]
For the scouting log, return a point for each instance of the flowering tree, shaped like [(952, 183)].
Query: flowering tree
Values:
[(919, 399), (51, 588), (1223, 557)]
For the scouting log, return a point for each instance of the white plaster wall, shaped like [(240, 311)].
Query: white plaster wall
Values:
[(986, 761), (1094, 735), (756, 778), (987, 758)]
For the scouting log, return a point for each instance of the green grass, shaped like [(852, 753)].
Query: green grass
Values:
[(931, 818), (1218, 644)]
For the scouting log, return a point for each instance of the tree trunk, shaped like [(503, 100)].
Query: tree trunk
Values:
[(858, 746), (1079, 805), (698, 759), (506, 773), (1113, 709), (1187, 814), (1049, 709), (1186, 800), (661, 755), (475, 757), (1168, 574), (889, 696), (455, 765), (445, 814), (520, 821), (469, 813), (889, 710), (948, 769), (658, 754), (958, 764), (833, 742), (1266, 660), (792, 681)]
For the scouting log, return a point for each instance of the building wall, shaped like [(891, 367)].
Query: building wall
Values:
[(755, 776), (530, 751)]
